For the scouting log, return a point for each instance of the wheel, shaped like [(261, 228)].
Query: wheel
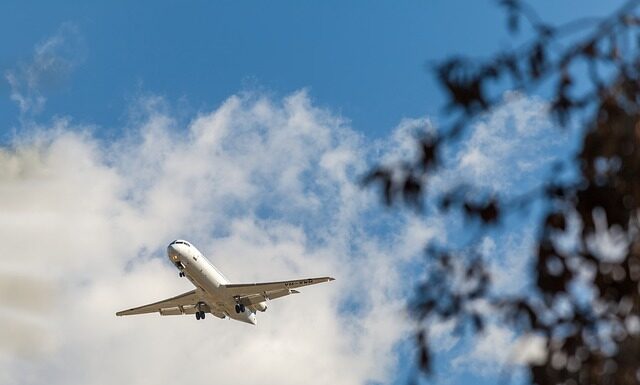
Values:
[(242, 308), (197, 315), (202, 315), (237, 308)]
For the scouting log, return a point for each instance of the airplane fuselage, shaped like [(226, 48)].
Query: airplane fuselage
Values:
[(209, 283)]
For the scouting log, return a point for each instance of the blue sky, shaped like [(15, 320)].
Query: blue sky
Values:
[(242, 126), (365, 60)]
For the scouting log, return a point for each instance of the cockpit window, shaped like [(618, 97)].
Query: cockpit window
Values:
[(180, 243)]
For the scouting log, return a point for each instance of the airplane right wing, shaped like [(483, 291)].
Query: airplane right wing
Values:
[(181, 304), (252, 293)]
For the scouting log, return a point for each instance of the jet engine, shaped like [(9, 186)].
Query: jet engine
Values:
[(262, 306)]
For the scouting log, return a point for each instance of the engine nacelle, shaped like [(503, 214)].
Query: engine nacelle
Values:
[(262, 306)]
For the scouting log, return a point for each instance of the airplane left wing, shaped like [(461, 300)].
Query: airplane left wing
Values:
[(179, 304), (250, 293)]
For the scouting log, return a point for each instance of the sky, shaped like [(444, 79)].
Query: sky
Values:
[(243, 127)]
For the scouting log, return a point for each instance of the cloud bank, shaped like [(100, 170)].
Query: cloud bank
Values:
[(267, 189), (264, 188)]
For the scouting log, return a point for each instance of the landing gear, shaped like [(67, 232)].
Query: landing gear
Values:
[(199, 312), (181, 274), (240, 308)]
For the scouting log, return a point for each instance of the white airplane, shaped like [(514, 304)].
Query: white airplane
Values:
[(214, 293)]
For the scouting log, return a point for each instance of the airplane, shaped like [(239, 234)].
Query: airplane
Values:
[(214, 293)]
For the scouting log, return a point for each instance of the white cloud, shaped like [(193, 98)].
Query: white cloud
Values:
[(498, 349), (52, 61), (509, 152), (510, 148), (402, 145), (266, 189)]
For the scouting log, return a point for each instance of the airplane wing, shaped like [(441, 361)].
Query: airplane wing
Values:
[(181, 304), (251, 293)]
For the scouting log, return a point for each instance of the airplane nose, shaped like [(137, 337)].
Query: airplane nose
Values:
[(172, 252)]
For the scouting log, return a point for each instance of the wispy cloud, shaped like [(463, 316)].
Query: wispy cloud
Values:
[(499, 350), (51, 62), (511, 148), (509, 152)]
